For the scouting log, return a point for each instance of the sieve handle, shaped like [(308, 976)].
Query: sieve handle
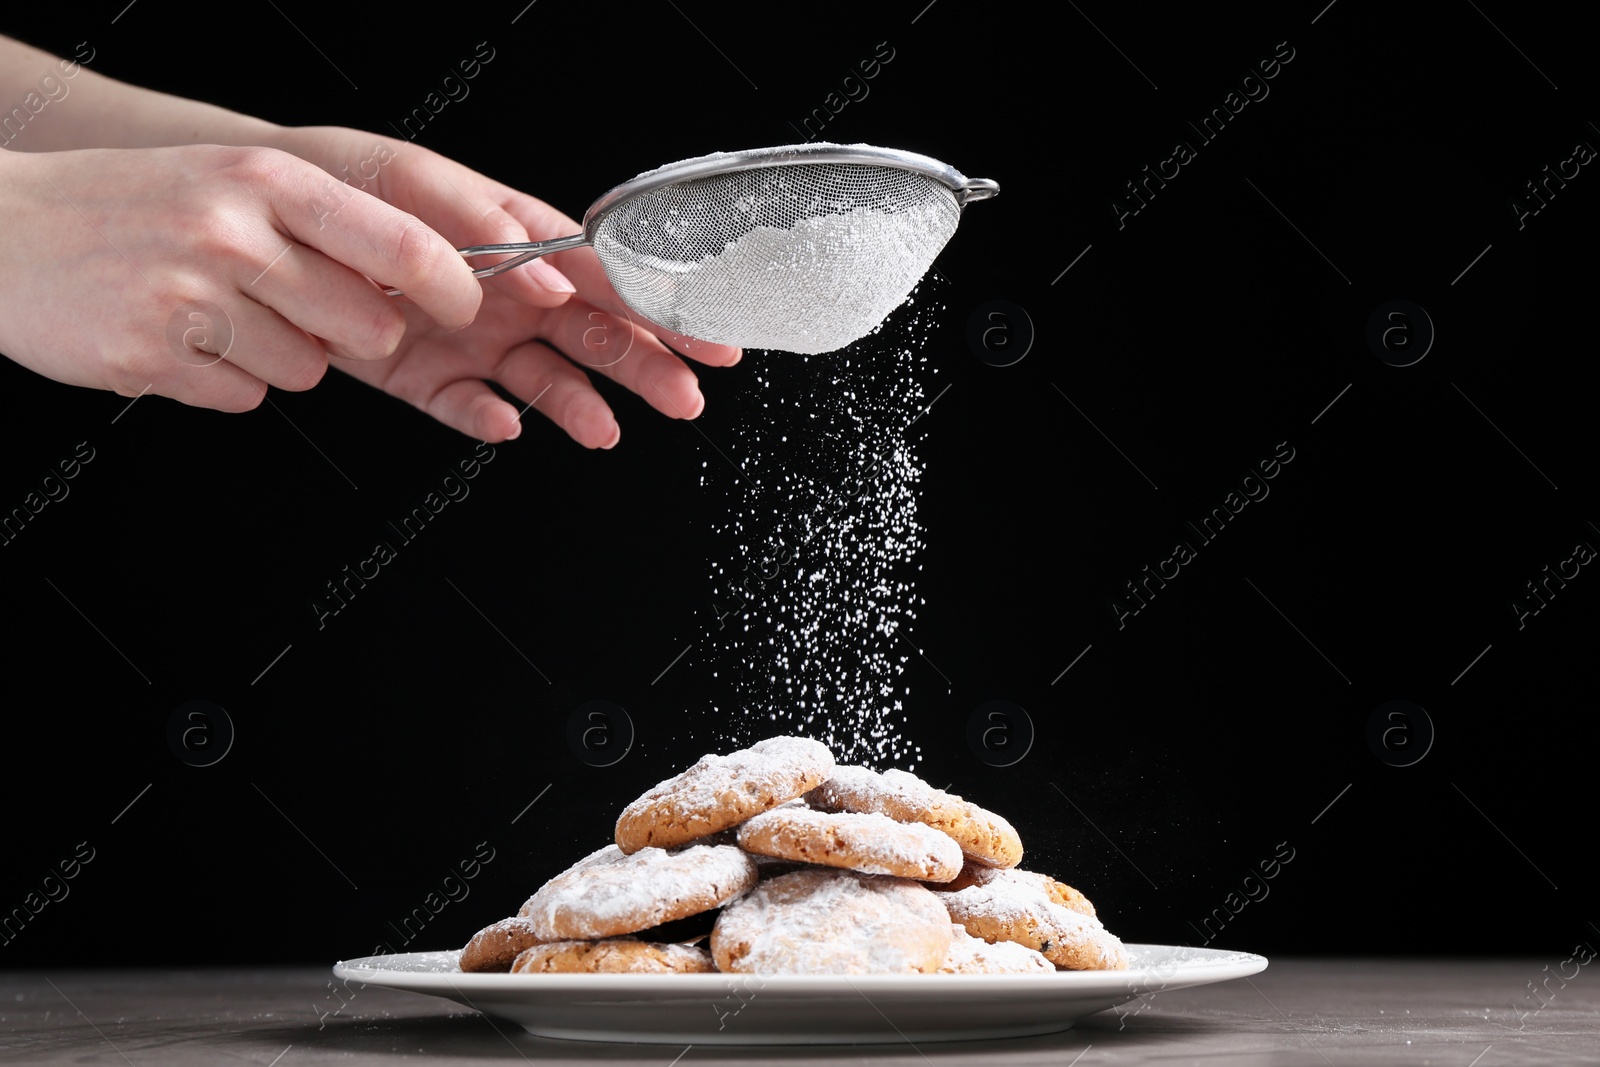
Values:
[(521, 252), (976, 189)]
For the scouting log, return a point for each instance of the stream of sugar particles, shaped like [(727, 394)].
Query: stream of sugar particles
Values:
[(813, 572)]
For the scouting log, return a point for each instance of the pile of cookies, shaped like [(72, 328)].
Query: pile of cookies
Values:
[(790, 864)]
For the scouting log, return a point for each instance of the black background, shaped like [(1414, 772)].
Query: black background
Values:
[(1176, 754)]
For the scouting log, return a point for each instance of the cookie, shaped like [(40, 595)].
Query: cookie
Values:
[(821, 921), (729, 836), (1024, 907), (618, 956), (608, 893), (982, 835), (771, 866), (871, 844), (968, 875), (723, 791), (495, 946), (973, 955), (1060, 892)]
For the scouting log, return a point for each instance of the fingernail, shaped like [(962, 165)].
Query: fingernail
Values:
[(516, 431), (699, 407), (551, 278), (616, 435)]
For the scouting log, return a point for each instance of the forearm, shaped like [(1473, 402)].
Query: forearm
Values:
[(50, 104)]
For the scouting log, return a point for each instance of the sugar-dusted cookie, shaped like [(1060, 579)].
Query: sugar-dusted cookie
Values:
[(608, 893), (1026, 908), (978, 874), (729, 836), (968, 875), (495, 946), (871, 844), (823, 921), (982, 835), (973, 955), (723, 791), (621, 955)]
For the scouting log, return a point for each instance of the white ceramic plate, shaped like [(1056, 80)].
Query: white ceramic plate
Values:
[(729, 1009)]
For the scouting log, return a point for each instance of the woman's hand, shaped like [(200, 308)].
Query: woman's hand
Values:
[(533, 334), (202, 273), (208, 273)]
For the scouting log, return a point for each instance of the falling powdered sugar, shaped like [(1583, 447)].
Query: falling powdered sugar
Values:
[(806, 621)]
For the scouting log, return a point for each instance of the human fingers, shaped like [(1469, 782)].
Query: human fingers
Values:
[(469, 405), (451, 387), (260, 342), (189, 364), (553, 386), (627, 353), (366, 234), (322, 298), (462, 206)]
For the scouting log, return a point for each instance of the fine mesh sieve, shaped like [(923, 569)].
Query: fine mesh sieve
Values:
[(803, 248)]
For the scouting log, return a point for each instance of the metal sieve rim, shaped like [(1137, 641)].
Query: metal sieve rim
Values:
[(718, 163)]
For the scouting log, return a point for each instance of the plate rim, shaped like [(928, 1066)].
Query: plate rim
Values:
[(1218, 965), (544, 1005)]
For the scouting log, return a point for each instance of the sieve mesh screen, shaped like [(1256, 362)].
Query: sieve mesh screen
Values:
[(802, 258)]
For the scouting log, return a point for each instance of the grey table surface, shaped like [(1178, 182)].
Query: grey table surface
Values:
[(1463, 1013)]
